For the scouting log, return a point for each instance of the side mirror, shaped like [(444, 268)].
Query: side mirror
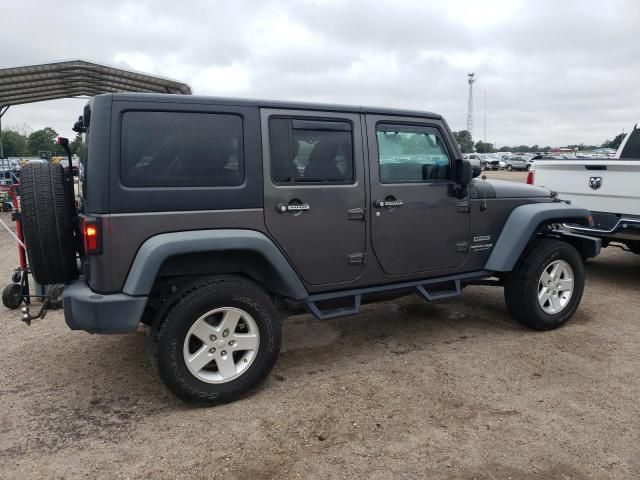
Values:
[(463, 177), (464, 172), (476, 171)]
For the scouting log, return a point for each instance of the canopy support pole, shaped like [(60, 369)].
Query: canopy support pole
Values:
[(3, 110)]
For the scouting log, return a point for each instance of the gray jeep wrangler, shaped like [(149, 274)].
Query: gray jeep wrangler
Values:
[(210, 219)]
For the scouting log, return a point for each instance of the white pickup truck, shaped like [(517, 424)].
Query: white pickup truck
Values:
[(609, 187)]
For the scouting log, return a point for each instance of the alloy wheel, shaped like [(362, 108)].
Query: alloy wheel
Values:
[(555, 287), (221, 345)]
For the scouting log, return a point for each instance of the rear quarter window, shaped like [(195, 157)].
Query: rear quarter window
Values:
[(181, 149)]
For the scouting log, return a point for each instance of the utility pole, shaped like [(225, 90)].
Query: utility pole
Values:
[(485, 116), (471, 78)]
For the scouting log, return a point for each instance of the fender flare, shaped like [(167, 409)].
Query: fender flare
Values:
[(521, 225), (155, 250)]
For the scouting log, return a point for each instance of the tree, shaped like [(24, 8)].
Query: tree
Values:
[(615, 143), (44, 141), (14, 144), (76, 144), (484, 147), (463, 137)]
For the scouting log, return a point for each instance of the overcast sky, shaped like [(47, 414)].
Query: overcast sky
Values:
[(554, 72)]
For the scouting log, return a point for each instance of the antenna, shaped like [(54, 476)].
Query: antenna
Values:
[(471, 78)]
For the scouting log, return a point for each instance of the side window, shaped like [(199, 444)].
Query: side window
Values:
[(177, 149), (409, 153), (310, 151)]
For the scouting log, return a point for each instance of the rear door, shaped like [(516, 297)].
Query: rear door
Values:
[(417, 224), (314, 192), (522, 163)]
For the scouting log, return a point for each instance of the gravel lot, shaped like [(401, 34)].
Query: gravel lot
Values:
[(407, 390)]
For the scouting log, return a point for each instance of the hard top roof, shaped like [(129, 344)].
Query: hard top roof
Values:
[(275, 104)]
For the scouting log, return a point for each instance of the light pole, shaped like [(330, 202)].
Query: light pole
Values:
[(471, 78)]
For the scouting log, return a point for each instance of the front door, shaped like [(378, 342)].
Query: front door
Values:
[(314, 199), (417, 224)]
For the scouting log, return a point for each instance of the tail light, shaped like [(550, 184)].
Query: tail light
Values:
[(531, 176), (92, 235)]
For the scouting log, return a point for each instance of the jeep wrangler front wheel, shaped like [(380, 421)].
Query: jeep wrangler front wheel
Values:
[(545, 288), (219, 340)]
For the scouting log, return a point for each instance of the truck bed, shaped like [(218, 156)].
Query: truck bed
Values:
[(574, 179)]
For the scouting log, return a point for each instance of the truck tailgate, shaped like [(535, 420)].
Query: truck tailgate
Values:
[(600, 185)]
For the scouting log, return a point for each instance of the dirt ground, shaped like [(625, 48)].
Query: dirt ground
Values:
[(406, 390)]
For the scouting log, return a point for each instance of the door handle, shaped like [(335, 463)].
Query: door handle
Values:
[(293, 207), (388, 203)]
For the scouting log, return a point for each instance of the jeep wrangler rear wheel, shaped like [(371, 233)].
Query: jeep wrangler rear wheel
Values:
[(218, 341), (545, 288)]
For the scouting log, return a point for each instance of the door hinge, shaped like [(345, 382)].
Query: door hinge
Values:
[(356, 258), (464, 207), (462, 247), (356, 214)]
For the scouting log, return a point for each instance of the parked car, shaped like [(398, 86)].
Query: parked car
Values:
[(9, 171), (492, 164), (516, 162), (210, 219), (606, 186), (475, 160)]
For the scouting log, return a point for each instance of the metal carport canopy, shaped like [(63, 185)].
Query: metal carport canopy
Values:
[(72, 79), (49, 81)]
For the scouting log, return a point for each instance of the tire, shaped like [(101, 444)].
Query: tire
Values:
[(12, 296), (522, 285), (180, 335), (47, 223), (509, 167), (634, 247)]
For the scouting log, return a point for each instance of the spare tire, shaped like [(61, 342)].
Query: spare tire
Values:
[(47, 223)]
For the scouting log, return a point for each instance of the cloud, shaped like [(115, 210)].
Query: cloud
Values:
[(553, 72)]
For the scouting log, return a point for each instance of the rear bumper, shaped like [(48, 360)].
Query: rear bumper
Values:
[(95, 313), (620, 228)]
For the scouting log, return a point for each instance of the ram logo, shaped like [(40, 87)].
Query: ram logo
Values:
[(595, 182)]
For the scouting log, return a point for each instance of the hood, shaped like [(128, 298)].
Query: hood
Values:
[(506, 189)]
